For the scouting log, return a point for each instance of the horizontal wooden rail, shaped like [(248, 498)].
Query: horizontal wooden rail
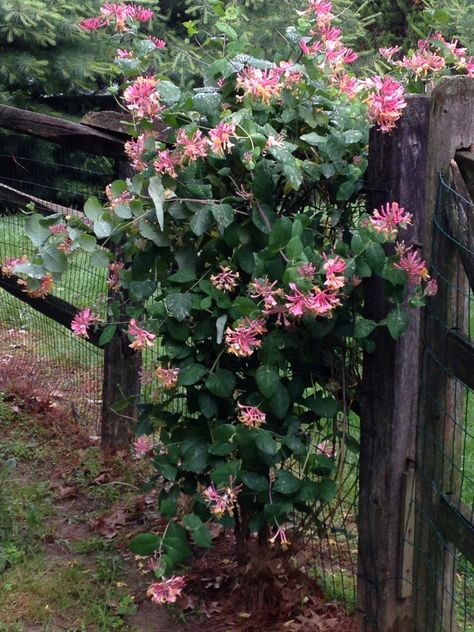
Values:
[(460, 357), (455, 523), (461, 221), (61, 131), (53, 307), (9, 194)]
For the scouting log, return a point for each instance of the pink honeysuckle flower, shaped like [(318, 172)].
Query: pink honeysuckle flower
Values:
[(141, 14), (291, 76), (93, 24), (10, 263), (142, 98), (251, 416), (142, 446), (327, 448), (243, 340), (347, 85), (322, 302), (142, 336), (334, 265), (82, 321), (58, 229), (266, 290), (221, 500), (226, 280), (423, 62), (387, 220), (166, 163), (280, 535), (276, 141), (388, 53), (281, 313), (134, 149), (125, 54), (411, 262), (322, 10), (296, 302), (124, 198), (114, 279), (431, 288), (385, 102), (166, 591), (334, 282), (219, 138), (313, 49), (191, 147), (307, 270), (168, 378), (45, 288), (260, 84), (159, 43)]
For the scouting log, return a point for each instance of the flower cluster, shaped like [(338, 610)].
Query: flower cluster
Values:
[(143, 99), (82, 321), (118, 14), (166, 591), (221, 500), (142, 446), (168, 378), (244, 339), (387, 220), (386, 101), (251, 416), (143, 338), (226, 280)]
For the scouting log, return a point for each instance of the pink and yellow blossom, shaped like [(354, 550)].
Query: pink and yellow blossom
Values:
[(82, 321), (142, 336), (251, 416), (166, 591)]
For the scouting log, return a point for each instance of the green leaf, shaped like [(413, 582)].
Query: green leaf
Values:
[(93, 209), (256, 482), (141, 290), (222, 474), (267, 380), (100, 259), (88, 243), (144, 544), (102, 228), (397, 322), (265, 442), (169, 93), (224, 432), (191, 374), (167, 469), (221, 449), (323, 406), (123, 211), (314, 139), (195, 453), (294, 248), (220, 326), (157, 194), (208, 405), (223, 214), (280, 401), (207, 103), (54, 260), (327, 490), (179, 305), (198, 529), (364, 327), (201, 221), (151, 232), (280, 234), (183, 276), (375, 256), (107, 334), (286, 483), (352, 136), (221, 383), (36, 231)]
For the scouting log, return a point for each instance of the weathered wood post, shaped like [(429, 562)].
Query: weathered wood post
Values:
[(389, 398), (442, 403), (121, 369)]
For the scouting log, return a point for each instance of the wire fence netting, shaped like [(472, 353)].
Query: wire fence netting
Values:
[(444, 502), (42, 357)]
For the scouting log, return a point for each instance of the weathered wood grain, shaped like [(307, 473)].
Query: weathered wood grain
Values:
[(61, 131), (389, 398)]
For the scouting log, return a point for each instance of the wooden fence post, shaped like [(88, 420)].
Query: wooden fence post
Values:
[(121, 372), (442, 403), (389, 398)]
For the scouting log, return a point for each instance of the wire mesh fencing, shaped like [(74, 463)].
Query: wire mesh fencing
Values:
[(444, 502)]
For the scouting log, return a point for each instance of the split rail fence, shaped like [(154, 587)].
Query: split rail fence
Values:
[(415, 471)]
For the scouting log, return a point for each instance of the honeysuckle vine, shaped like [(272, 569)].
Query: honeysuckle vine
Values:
[(240, 245)]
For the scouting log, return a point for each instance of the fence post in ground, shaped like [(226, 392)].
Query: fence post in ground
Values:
[(121, 371), (442, 403), (389, 397)]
